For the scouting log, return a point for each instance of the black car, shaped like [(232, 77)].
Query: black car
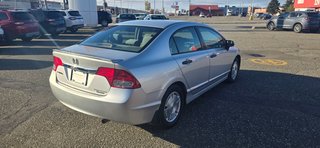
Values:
[(50, 21), (104, 18)]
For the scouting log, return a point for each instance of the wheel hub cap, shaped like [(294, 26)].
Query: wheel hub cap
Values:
[(234, 71), (172, 107)]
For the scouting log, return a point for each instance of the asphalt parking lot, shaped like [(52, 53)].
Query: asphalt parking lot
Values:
[(274, 103)]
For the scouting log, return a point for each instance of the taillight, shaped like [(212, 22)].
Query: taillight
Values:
[(56, 62), (72, 18), (119, 78)]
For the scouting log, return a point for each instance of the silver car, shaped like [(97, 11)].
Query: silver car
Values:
[(143, 71)]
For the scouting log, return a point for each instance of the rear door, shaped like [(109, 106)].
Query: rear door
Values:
[(191, 57), (220, 58)]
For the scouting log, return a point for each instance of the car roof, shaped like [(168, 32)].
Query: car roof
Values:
[(155, 23)]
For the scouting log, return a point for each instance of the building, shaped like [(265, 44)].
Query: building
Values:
[(204, 9), (307, 5), (260, 10)]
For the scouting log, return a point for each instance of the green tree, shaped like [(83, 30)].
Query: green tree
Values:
[(288, 6), (273, 6)]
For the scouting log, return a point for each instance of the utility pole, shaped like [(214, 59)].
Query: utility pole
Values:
[(162, 6), (154, 6), (45, 4), (189, 7), (104, 5), (252, 10)]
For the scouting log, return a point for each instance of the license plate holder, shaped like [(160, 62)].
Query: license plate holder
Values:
[(79, 77)]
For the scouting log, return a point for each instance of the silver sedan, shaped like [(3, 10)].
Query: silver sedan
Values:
[(143, 71)]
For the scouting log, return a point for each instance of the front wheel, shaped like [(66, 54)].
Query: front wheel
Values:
[(271, 26), (26, 39), (297, 28), (171, 107), (234, 71), (73, 30)]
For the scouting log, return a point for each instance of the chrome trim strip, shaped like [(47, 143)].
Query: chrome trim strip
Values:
[(203, 83)]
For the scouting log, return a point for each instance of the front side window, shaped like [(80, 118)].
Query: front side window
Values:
[(21, 16), (211, 38), (187, 40), (124, 38)]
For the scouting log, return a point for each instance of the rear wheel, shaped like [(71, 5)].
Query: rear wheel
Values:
[(171, 107), (104, 23), (297, 28), (271, 26)]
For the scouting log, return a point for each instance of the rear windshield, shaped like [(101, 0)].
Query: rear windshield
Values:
[(21, 16), (124, 38), (3, 16), (158, 17), (74, 13), (127, 16), (53, 14)]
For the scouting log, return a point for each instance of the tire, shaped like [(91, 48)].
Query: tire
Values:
[(162, 118), (26, 39), (271, 26), (104, 23), (297, 28), (73, 30), (234, 71)]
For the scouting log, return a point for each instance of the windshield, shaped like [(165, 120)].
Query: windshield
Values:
[(158, 17), (54, 14), (74, 13), (124, 38), (21, 16)]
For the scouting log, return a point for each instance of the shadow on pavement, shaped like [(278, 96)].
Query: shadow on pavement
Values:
[(22, 64), (261, 109)]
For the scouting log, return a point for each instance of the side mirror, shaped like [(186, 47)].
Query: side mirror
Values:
[(229, 43)]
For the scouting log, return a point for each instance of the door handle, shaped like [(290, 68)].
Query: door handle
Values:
[(213, 55), (186, 62)]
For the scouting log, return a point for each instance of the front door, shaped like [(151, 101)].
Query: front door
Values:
[(218, 54), (192, 59)]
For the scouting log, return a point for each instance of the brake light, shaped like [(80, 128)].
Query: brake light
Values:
[(56, 62), (72, 18), (19, 23), (119, 78)]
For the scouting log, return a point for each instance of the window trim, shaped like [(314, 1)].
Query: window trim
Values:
[(204, 44), (202, 48)]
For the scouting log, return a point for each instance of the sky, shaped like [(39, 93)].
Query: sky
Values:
[(139, 4)]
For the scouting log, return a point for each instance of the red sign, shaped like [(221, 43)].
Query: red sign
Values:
[(307, 3)]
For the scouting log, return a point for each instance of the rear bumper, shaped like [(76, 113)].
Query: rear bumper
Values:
[(128, 106)]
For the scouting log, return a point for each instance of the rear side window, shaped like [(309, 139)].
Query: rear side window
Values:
[(21, 16), (124, 38), (127, 16), (293, 14), (187, 40), (173, 46), (3, 16), (74, 13), (211, 38)]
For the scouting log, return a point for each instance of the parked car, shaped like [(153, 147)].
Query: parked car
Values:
[(104, 18), (140, 16), (125, 17), (155, 17), (202, 15), (297, 21), (51, 21), (18, 24), (73, 20), (143, 71), (257, 15)]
